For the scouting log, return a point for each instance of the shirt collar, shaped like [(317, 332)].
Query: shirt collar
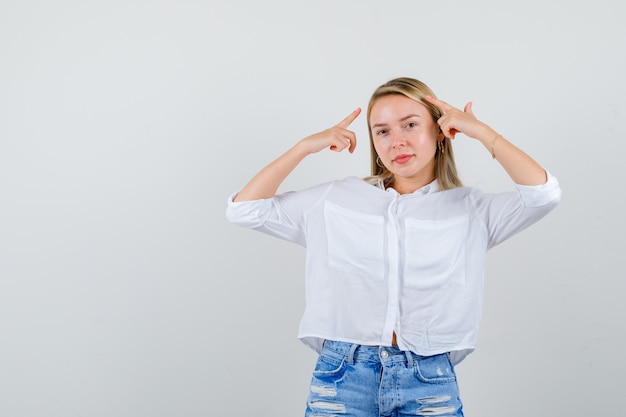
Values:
[(432, 187)]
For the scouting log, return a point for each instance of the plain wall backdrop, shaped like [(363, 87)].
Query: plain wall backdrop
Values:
[(125, 126)]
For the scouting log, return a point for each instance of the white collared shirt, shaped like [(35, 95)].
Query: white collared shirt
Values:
[(379, 262)]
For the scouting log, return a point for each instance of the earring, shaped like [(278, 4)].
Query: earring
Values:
[(379, 162), (442, 150)]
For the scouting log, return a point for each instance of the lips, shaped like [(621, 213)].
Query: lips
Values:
[(402, 159)]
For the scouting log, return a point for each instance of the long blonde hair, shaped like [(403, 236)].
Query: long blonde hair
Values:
[(445, 168)]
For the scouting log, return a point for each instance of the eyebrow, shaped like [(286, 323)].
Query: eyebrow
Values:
[(401, 120)]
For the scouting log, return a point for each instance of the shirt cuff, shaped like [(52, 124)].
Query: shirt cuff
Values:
[(540, 195), (252, 213)]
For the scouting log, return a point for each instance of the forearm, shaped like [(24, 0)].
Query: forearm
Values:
[(522, 169), (266, 182)]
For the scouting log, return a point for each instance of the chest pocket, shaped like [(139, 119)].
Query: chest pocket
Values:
[(435, 252), (355, 241)]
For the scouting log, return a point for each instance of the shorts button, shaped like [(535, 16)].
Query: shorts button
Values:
[(384, 354)]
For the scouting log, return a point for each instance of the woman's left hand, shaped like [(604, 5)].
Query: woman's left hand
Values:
[(521, 168), (456, 121)]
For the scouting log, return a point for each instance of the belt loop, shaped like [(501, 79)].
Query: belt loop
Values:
[(351, 354), (409, 358)]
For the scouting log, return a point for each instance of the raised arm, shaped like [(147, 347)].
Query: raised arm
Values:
[(520, 166), (266, 182)]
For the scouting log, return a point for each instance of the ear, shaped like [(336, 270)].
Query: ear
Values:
[(440, 136)]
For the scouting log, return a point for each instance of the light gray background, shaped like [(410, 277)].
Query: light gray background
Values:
[(125, 125)]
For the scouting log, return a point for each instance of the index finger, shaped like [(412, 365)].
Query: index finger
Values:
[(443, 106), (348, 120)]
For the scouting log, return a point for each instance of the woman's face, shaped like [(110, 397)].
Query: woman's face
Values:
[(405, 138)]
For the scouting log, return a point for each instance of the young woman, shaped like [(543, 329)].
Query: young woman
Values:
[(395, 261)]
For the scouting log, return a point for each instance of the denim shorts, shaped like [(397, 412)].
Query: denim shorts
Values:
[(372, 381)]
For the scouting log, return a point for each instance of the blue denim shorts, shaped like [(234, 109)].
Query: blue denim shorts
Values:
[(372, 381)]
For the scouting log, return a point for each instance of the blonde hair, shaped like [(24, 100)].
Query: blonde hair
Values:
[(445, 168)]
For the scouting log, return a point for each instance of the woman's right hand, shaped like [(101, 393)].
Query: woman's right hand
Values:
[(266, 182), (336, 138)]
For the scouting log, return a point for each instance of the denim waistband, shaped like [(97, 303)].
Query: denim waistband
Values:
[(382, 354)]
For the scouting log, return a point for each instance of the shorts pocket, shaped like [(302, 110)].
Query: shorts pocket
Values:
[(355, 241), (435, 369), (435, 252), (329, 368)]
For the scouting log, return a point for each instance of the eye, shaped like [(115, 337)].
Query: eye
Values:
[(381, 132), (411, 125)]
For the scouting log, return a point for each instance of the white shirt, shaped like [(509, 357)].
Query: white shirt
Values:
[(379, 262)]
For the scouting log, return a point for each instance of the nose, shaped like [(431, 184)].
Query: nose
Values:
[(397, 139)]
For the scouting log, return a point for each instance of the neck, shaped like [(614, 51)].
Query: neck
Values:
[(410, 185)]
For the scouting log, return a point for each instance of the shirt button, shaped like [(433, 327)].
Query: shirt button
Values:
[(384, 354)]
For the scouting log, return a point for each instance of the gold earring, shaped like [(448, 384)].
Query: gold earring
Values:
[(442, 150)]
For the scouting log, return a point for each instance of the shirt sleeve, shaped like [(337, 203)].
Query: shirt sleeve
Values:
[(541, 195), (282, 216), (506, 214)]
